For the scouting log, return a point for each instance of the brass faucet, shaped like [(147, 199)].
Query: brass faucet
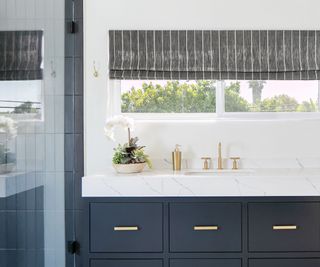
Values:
[(220, 160)]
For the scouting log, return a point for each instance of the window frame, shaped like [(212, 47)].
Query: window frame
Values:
[(114, 108)]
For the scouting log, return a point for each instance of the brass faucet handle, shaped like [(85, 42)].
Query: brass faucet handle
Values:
[(206, 162), (235, 163)]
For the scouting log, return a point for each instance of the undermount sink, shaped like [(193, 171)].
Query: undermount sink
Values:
[(218, 172)]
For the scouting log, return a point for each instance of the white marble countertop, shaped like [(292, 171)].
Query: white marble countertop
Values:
[(255, 182), (16, 182)]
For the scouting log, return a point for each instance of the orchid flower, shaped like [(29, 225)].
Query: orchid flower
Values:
[(8, 126), (118, 121)]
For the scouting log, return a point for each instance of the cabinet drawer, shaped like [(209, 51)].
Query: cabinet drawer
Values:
[(284, 227), (126, 263), (126, 227), (205, 263), (205, 227), (284, 262)]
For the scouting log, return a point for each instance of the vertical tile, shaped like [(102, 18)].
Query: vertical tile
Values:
[(77, 190), (11, 229), (40, 258), (59, 192), (78, 114), (21, 257), (20, 10), (68, 9), (59, 27), (31, 229), (4, 254), (12, 258), (69, 152), (11, 9), (3, 9), (69, 191), (50, 153), (78, 9), (3, 239), (39, 191), (59, 152), (30, 256), (59, 7), (78, 76), (79, 234), (21, 188), (59, 114), (40, 231), (58, 80), (49, 192), (40, 9), (31, 10), (69, 76), (78, 46), (11, 201), (21, 230), (70, 42), (49, 113), (79, 152), (30, 152), (49, 9), (2, 204), (31, 193), (69, 114), (40, 152), (21, 153)]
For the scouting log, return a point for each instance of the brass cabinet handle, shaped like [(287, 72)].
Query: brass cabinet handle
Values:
[(126, 228), (285, 227), (206, 228)]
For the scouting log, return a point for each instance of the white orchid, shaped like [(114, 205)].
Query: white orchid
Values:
[(118, 121), (8, 126)]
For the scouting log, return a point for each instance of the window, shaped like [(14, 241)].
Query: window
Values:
[(208, 99), (21, 100), (272, 96)]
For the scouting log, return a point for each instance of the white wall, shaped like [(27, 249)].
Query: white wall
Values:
[(246, 139)]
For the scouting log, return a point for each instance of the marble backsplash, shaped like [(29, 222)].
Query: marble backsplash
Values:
[(245, 163)]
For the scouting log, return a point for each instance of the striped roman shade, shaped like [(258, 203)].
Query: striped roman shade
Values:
[(21, 55), (236, 55)]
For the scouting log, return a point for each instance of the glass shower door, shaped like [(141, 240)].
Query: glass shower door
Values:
[(32, 134)]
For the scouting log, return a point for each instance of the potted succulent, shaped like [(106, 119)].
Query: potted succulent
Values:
[(7, 160), (8, 131), (129, 157)]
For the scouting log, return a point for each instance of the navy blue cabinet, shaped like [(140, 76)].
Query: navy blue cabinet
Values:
[(202, 232), (205, 227), (126, 263), (284, 263), (205, 263), (284, 227), (126, 227)]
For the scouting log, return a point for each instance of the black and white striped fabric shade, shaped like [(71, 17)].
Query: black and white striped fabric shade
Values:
[(234, 55), (21, 55)]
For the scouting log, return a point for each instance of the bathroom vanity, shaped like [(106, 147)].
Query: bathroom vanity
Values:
[(159, 219)]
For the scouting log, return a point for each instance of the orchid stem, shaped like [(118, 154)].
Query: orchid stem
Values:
[(129, 135)]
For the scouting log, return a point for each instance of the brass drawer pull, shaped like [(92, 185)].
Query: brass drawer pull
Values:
[(284, 227), (206, 228), (126, 228)]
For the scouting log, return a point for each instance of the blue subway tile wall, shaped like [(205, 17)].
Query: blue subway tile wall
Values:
[(74, 146)]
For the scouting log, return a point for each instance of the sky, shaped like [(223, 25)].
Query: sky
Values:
[(300, 90), (19, 91)]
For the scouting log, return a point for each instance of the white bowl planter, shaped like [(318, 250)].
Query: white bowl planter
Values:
[(129, 168)]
